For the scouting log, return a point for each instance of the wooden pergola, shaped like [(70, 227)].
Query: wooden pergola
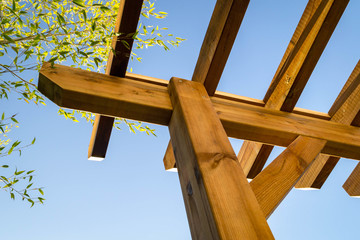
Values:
[(220, 202)]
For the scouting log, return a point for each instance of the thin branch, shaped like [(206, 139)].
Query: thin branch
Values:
[(18, 76)]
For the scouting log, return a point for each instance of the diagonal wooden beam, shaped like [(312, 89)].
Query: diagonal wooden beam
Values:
[(344, 110), (275, 181), (218, 199), (304, 50), (352, 184), (273, 184), (215, 50), (150, 102), (126, 23)]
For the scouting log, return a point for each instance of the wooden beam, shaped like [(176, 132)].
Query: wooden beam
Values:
[(126, 23), (344, 110), (352, 184), (218, 199), (304, 50), (215, 50), (150, 102), (273, 184), (100, 137), (219, 39)]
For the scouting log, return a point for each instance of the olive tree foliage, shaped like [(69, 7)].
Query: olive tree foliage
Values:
[(75, 32)]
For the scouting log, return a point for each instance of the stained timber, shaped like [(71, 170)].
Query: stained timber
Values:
[(144, 101), (273, 184), (126, 24), (219, 201), (305, 48), (215, 50), (344, 110)]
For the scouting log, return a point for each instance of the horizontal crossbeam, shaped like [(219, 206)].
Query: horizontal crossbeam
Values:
[(150, 102)]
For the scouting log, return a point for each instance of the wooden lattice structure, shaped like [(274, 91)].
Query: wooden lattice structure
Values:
[(220, 202)]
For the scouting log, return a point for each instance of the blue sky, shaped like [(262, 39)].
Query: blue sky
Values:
[(129, 195)]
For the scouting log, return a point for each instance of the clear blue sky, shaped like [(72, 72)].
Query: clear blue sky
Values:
[(129, 195)]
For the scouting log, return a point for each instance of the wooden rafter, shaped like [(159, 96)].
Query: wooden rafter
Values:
[(344, 110), (126, 24), (213, 184), (150, 102), (275, 181), (215, 50), (305, 48), (352, 184)]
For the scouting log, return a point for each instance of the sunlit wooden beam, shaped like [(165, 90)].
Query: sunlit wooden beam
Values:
[(150, 102), (344, 110), (218, 199), (304, 50), (273, 184), (215, 50)]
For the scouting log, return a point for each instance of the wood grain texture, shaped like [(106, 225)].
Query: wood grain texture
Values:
[(344, 110), (352, 184), (143, 101), (126, 23), (215, 50), (219, 39), (219, 201), (315, 27), (273, 184)]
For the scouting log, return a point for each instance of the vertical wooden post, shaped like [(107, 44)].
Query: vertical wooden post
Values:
[(218, 199)]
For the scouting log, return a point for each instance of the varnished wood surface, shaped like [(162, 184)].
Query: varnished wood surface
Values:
[(344, 110), (143, 101), (315, 27), (219, 39), (215, 50), (273, 184), (126, 23), (352, 184), (219, 201)]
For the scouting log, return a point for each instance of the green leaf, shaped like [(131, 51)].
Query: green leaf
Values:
[(31, 201), (5, 166), (84, 15), (14, 120), (93, 26), (12, 196), (18, 173), (80, 3), (104, 9), (33, 141), (41, 191), (8, 38)]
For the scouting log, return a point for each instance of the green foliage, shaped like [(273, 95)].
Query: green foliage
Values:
[(74, 32), (20, 181)]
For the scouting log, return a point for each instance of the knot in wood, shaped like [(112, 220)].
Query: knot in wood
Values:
[(216, 159)]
